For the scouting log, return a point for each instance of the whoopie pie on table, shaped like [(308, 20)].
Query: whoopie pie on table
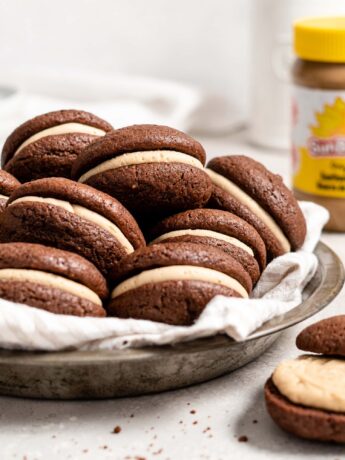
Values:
[(152, 170), (245, 187), (50, 279), (48, 144), (220, 229), (8, 184), (173, 282), (305, 396), (61, 213)]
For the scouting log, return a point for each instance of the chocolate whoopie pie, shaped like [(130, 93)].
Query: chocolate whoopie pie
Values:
[(51, 279), (326, 336), (173, 282), (217, 228), (153, 170), (61, 213), (245, 187), (47, 145), (306, 397), (8, 184)]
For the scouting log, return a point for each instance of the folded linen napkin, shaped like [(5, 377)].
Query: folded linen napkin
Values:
[(279, 290)]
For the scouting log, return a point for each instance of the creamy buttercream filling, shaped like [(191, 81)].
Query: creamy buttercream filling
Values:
[(137, 158), (179, 273), (207, 234), (84, 213), (65, 128), (3, 197), (49, 280), (235, 191), (313, 381)]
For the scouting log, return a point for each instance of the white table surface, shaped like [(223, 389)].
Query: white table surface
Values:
[(163, 426)]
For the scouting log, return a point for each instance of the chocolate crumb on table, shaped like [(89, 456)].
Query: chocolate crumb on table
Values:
[(117, 429), (193, 411), (255, 421), (243, 439)]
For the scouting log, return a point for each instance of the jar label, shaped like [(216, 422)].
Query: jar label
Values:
[(318, 141)]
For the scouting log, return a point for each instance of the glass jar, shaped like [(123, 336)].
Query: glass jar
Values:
[(318, 115)]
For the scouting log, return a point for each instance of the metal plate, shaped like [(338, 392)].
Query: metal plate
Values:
[(107, 374)]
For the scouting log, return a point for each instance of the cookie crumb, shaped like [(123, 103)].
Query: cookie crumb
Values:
[(132, 415), (195, 422), (255, 421), (193, 411), (243, 438), (117, 429)]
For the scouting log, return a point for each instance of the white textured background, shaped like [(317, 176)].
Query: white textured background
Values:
[(204, 42)]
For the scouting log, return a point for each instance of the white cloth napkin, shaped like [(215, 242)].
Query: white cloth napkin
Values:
[(279, 290)]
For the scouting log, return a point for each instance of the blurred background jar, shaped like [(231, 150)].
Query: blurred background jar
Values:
[(271, 61), (318, 126)]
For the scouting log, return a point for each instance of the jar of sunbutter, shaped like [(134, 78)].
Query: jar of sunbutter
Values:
[(318, 115)]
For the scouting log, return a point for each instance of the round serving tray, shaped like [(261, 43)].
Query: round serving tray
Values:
[(108, 374)]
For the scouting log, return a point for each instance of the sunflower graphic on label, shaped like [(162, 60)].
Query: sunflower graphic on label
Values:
[(318, 142)]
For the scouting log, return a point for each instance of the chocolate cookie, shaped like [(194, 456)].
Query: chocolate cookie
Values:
[(8, 184), (173, 282), (47, 145), (51, 279), (153, 170), (304, 422), (245, 187), (326, 336), (216, 228), (61, 213)]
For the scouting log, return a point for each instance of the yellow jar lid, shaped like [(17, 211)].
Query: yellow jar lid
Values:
[(320, 39)]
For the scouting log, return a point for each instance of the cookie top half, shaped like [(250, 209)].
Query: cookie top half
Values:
[(220, 229), (171, 260), (268, 202), (66, 193), (50, 124), (326, 337), (141, 139), (27, 256)]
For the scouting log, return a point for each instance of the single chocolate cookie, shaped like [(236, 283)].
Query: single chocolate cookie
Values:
[(245, 187), (216, 228), (51, 279), (173, 282), (153, 170), (8, 184), (47, 145), (61, 213), (326, 336), (305, 396)]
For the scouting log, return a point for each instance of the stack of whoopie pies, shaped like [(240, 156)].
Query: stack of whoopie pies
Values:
[(77, 198), (305, 396)]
